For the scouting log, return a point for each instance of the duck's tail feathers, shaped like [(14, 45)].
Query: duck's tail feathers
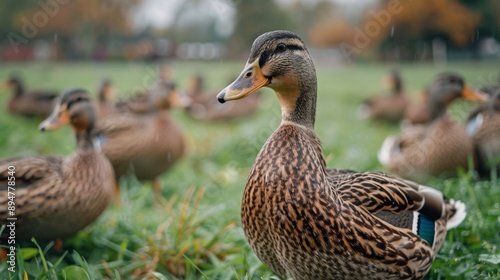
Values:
[(364, 111), (459, 216), (385, 153)]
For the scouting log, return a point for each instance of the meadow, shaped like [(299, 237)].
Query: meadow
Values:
[(194, 230)]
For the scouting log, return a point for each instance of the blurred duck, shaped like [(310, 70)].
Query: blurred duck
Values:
[(58, 196), (34, 103), (483, 126), (204, 107), (140, 103), (438, 148), (146, 144), (387, 107), (307, 222), (104, 105)]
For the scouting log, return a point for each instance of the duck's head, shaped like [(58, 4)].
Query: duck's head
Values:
[(165, 73), (195, 85), (73, 107), (105, 91), (448, 87), (13, 82), (394, 82), (279, 60)]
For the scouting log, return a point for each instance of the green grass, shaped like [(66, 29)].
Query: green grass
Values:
[(195, 232)]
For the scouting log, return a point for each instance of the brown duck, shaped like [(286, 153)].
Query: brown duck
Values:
[(307, 222), (436, 149), (387, 107), (34, 103), (483, 126), (146, 144), (104, 105), (57, 196)]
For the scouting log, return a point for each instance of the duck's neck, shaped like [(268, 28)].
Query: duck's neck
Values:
[(397, 87), (84, 140), (437, 108), (298, 102), (18, 89), (102, 98)]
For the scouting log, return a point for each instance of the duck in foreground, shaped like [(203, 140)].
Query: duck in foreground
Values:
[(34, 103), (307, 222), (483, 125), (438, 148), (57, 196)]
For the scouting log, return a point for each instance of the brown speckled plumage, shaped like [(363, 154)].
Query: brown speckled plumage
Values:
[(56, 196), (306, 221)]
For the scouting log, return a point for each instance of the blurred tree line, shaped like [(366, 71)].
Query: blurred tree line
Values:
[(388, 27), (74, 25), (407, 29)]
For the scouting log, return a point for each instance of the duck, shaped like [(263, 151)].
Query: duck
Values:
[(140, 103), (438, 148), (146, 144), (387, 107), (104, 105), (35, 103), (56, 196), (483, 126), (305, 221), (204, 107)]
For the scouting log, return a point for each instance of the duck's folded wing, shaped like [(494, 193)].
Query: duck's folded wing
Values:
[(25, 171), (23, 175), (376, 192)]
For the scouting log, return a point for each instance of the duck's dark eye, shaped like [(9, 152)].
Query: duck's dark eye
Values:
[(281, 47)]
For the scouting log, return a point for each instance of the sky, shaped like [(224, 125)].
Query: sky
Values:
[(161, 13)]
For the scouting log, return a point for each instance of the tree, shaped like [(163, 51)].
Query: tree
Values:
[(252, 19), (422, 21), (91, 21)]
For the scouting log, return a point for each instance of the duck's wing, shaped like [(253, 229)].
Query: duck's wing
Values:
[(400, 202), (25, 171), (24, 179), (377, 191)]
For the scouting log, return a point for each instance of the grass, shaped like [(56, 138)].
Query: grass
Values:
[(195, 232)]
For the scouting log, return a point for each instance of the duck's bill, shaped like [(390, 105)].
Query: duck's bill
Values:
[(59, 117), (249, 81), (470, 94)]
